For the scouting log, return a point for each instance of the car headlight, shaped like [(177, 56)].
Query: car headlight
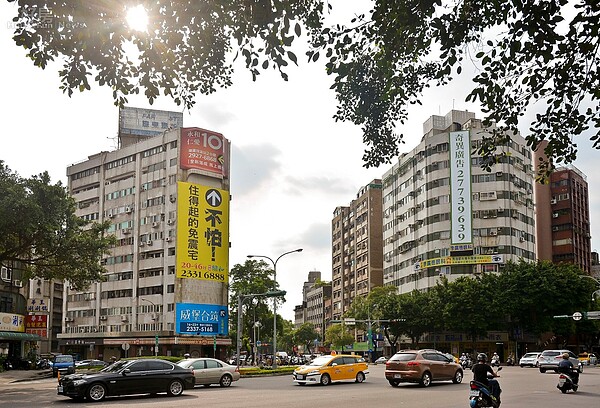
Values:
[(313, 372), (78, 382)]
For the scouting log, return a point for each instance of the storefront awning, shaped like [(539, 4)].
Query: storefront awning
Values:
[(4, 335)]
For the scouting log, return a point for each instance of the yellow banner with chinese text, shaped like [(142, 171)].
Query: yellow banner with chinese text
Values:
[(202, 232)]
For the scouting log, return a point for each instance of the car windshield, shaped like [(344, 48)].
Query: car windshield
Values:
[(320, 361), (530, 355), (551, 353), (63, 359)]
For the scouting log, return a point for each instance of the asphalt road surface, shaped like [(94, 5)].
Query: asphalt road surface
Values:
[(522, 387)]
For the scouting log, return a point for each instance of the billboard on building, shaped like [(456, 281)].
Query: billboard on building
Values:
[(37, 324), (460, 183), (203, 149), (147, 122), (201, 319), (202, 232), (12, 322)]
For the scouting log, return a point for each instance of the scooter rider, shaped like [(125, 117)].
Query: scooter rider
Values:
[(480, 374), (566, 367)]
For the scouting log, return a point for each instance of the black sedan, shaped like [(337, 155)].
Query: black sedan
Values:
[(127, 377)]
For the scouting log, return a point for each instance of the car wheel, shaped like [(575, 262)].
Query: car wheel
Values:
[(175, 388), (325, 379), (521, 365), (542, 370), (225, 381), (360, 377), (458, 377), (425, 379), (96, 392), (394, 383)]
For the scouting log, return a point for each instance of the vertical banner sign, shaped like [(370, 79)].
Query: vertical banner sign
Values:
[(201, 319), (202, 150), (202, 232), (460, 183)]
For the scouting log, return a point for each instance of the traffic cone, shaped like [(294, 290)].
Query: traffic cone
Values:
[(58, 376)]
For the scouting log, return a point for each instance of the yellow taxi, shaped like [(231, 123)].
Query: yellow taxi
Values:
[(335, 367)]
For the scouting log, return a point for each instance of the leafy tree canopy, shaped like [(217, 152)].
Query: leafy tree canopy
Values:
[(527, 53), (41, 235)]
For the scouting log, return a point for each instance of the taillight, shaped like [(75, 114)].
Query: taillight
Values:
[(237, 369), (413, 364), (562, 377), (474, 386)]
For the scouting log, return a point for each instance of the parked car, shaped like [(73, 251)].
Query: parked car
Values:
[(549, 360), (90, 364), (530, 359), (587, 358), (423, 367), (211, 371), (63, 364), (128, 377), (327, 369), (381, 360)]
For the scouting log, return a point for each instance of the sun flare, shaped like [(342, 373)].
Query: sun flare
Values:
[(137, 18)]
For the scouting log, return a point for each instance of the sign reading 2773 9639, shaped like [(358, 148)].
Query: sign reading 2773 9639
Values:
[(202, 232)]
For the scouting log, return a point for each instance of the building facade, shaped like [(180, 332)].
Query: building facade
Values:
[(443, 215), (357, 248), (568, 239), (165, 288)]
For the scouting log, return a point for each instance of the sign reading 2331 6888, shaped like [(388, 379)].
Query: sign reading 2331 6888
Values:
[(202, 232)]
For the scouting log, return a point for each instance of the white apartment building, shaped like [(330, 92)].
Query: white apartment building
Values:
[(443, 215), (165, 288)]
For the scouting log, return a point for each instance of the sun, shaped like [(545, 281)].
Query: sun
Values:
[(137, 18)]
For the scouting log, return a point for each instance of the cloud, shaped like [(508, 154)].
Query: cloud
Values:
[(252, 167), (327, 185)]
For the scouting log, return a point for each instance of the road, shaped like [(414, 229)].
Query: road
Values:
[(522, 387)]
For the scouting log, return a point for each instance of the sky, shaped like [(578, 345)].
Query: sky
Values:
[(291, 163)]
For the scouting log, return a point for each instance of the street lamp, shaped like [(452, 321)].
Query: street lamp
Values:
[(153, 311), (241, 299), (274, 299)]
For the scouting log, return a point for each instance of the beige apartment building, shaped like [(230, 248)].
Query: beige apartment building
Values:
[(166, 197), (443, 215), (357, 249)]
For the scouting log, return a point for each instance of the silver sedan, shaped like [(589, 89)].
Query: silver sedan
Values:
[(211, 371)]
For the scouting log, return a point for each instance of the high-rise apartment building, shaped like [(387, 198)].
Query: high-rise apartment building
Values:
[(357, 251), (563, 217), (443, 215), (165, 288)]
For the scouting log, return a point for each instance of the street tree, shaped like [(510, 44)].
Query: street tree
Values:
[(251, 277), (41, 236), (306, 336), (339, 336), (416, 320), (525, 53), (533, 292)]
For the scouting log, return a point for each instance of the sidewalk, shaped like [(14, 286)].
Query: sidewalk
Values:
[(12, 376)]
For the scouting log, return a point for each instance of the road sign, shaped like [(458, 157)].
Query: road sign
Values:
[(349, 321), (258, 343), (577, 316), (125, 346)]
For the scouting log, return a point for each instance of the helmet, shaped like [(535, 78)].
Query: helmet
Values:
[(481, 357), (565, 356)]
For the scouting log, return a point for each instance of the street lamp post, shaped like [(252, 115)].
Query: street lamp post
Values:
[(241, 299), (597, 282), (153, 311), (275, 299)]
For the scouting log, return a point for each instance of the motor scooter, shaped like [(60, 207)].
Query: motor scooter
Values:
[(495, 361), (566, 382), (480, 396)]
